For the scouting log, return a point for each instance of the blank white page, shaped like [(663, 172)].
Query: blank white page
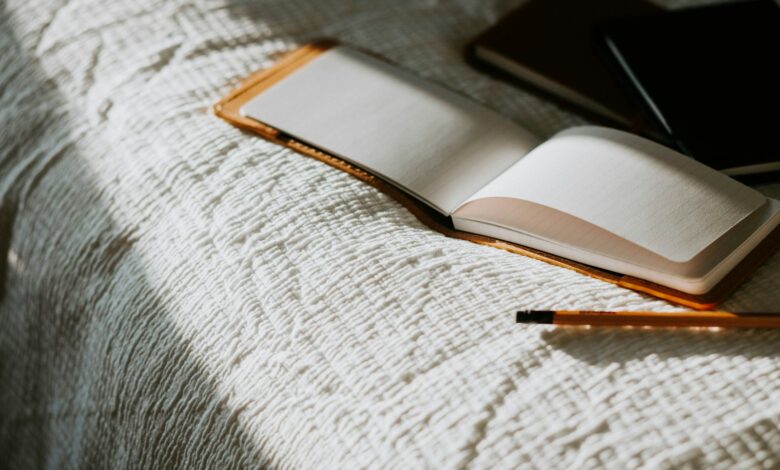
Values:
[(430, 141), (636, 189)]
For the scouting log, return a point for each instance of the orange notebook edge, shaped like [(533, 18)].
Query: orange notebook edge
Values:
[(228, 109)]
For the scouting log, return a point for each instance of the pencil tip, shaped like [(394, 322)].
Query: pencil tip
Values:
[(534, 316)]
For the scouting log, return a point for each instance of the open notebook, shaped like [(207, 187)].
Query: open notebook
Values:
[(600, 197)]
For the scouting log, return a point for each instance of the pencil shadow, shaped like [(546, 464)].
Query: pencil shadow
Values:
[(603, 346)]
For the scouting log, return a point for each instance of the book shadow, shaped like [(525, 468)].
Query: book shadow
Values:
[(603, 346)]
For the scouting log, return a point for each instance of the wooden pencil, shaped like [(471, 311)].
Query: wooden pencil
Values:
[(654, 319)]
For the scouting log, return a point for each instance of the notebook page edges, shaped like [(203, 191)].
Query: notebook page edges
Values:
[(636, 189), (431, 142), (697, 276)]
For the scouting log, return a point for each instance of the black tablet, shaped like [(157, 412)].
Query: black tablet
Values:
[(710, 76)]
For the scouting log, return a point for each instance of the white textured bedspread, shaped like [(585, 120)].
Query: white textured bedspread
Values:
[(177, 293)]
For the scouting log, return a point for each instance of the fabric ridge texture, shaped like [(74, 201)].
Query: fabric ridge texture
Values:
[(177, 293)]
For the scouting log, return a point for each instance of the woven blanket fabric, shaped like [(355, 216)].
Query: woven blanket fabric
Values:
[(177, 293)]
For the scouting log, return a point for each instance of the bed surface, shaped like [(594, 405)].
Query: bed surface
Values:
[(178, 293)]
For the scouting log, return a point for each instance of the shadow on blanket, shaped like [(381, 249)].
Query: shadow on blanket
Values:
[(604, 346), (87, 378)]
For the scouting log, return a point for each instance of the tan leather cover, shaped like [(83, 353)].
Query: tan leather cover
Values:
[(228, 108)]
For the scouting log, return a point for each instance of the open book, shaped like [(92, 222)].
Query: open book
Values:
[(598, 196)]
